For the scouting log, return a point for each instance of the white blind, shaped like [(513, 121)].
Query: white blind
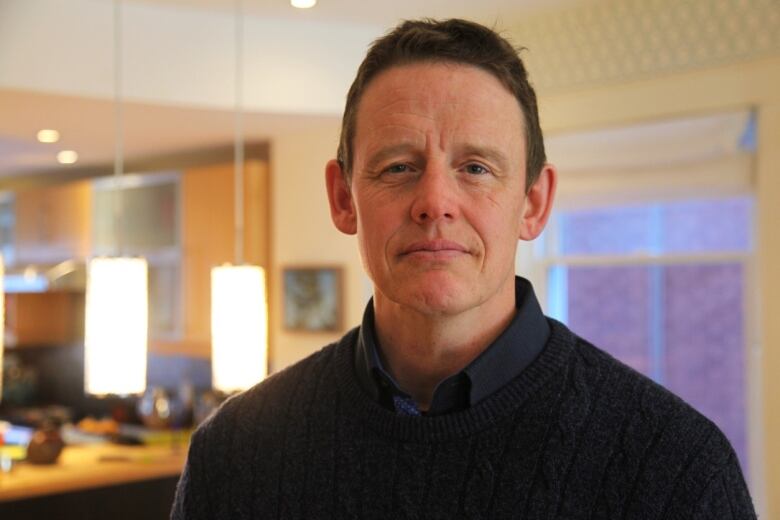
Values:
[(692, 157)]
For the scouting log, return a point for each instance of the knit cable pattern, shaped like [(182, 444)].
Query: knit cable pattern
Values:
[(576, 435)]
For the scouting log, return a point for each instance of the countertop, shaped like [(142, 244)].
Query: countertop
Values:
[(92, 466)]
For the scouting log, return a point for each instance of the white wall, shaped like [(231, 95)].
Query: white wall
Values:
[(303, 234), (178, 56)]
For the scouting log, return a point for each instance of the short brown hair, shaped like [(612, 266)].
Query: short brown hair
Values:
[(455, 41)]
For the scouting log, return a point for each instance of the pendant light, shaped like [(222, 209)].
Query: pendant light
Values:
[(115, 335), (239, 312)]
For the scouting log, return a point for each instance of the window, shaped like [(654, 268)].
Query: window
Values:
[(662, 287)]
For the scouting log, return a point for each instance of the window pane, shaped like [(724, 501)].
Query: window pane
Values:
[(610, 307), (707, 225), (148, 220), (704, 344), (680, 323), (691, 226), (606, 231)]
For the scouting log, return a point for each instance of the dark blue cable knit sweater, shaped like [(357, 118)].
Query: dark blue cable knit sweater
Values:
[(575, 435)]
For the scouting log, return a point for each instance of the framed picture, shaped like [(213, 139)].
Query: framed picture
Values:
[(312, 299)]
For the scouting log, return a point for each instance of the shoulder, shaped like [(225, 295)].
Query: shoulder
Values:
[(250, 428), (272, 395), (657, 443), (629, 393), (634, 390), (271, 400)]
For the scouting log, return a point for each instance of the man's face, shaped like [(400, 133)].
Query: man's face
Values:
[(438, 187)]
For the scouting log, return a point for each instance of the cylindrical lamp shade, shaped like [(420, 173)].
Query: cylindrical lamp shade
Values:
[(239, 325), (117, 317)]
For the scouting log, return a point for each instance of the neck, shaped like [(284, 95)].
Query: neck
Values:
[(420, 350)]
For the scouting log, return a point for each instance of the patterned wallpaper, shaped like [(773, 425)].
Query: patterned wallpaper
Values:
[(606, 41)]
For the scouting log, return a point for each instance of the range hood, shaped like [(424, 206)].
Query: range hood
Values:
[(70, 275)]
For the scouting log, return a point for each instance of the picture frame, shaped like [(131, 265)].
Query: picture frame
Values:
[(312, 298)]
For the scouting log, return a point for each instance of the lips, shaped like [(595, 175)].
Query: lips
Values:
[(435, 246)]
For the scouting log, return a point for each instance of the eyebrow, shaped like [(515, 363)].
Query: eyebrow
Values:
[(386, 152), (488, 152)]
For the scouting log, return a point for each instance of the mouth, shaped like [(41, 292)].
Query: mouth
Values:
[(436, 248)]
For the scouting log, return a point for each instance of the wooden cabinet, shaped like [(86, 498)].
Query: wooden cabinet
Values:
[(46, 226), (52, 224), (182, 222), (208, 240), (52, 318)]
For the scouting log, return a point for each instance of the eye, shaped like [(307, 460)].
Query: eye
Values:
[(397, 168), (476, 169)]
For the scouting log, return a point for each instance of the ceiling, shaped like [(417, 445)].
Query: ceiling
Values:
[(152, 127), (88, 126), (385, 13)]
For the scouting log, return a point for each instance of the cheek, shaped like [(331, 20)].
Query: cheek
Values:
[(375, 230), (498, 226)]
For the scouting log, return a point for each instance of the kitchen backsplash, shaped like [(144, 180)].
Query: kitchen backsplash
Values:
[(54, 375)]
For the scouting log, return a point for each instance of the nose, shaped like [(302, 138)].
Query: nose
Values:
[(435, 196)]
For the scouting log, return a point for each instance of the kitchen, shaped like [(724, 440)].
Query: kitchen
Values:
[(178, 175), (52, 232), (173, 204)]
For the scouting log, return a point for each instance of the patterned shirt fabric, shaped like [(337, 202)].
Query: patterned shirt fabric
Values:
[(405, 405)]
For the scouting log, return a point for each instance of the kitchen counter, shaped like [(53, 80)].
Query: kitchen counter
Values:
[(83, 467), (105, 472)]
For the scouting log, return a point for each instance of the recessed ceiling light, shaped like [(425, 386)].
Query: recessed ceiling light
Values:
[(67, 157), (47, 135), (303, 4)]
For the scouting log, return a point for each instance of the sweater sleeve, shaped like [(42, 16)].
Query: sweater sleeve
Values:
[(191, 501), (726, 496)]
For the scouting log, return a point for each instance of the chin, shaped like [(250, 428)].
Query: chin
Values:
[(437, 298)]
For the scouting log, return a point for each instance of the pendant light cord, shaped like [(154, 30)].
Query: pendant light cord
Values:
[(118, 127), (238, 144)]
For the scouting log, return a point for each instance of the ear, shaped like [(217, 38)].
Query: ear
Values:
[(538, 203), (342, 210)]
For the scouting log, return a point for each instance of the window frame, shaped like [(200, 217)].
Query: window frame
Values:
[(536, 261)]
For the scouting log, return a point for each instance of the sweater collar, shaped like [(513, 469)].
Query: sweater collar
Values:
[(515, 348)]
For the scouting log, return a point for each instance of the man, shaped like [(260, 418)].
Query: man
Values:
[(456, 398)]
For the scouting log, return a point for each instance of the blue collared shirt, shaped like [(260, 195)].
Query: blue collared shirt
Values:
[(503, 360)]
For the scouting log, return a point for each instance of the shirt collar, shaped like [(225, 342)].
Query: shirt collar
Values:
[(504, 359)]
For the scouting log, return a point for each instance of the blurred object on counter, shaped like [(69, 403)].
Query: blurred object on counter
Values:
[(106, 426), (73, 435), (154, 437), (45, 445), (6, 463), (90, 431), (207, 404), (13, 445), (186, 397), (13, 435), (157, 409), (11, 453)]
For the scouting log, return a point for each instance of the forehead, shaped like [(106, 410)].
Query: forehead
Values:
[(452, 97)]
